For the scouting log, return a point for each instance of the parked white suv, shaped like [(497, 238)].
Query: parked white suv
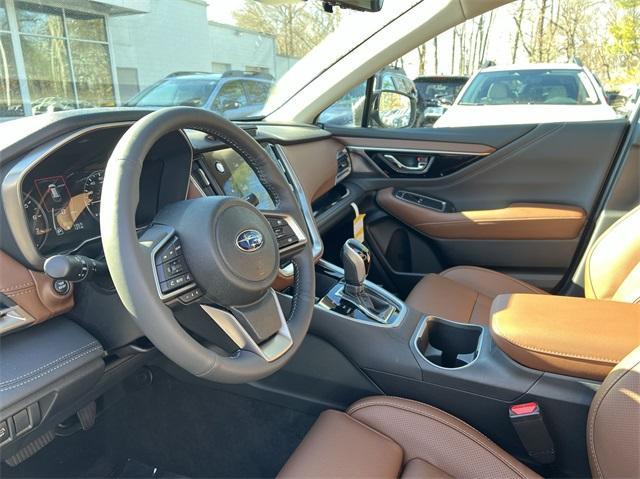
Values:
[(533, 93)]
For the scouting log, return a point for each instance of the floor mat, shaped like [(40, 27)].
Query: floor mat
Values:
[(188, 429)]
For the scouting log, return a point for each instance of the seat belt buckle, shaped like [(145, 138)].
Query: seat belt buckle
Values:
[(529, 424)]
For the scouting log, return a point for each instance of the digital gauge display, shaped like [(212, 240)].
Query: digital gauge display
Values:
[(60, 208), (61, 193)]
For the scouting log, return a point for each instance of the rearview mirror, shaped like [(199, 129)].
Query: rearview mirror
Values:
[(361, 5), (392, 109)]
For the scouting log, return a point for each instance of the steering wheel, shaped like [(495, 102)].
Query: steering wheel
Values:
[(218, 253)]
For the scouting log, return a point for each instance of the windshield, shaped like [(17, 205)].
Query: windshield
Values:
[(530, 87), (179, 91), (225, 55), (434, 90)]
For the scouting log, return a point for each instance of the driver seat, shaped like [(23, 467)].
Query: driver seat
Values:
[(387, 437)]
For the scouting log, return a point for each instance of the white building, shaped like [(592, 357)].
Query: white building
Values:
[(107, 50)]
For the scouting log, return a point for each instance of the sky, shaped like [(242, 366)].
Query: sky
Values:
[(498, 46), (221, 10)]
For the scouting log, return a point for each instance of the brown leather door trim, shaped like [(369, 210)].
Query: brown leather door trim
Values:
[(31, 290), (516, 221)]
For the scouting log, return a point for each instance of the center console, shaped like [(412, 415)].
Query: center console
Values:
[(459, 368)]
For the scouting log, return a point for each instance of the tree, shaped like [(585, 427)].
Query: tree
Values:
[(422, 59), (435, 55), (297, 28), (625, 33)]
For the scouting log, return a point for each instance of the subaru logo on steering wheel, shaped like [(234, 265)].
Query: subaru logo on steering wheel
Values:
[(249, 240)]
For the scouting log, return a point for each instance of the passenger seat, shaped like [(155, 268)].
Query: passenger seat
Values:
[(465, 293)]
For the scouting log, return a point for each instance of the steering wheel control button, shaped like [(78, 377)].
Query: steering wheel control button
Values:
[(191, 295), (171, 268), (171, 250), (61, 287), (174, 267), (277, 222), (176, 283)]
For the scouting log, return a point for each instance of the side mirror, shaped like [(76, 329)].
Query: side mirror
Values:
[(392, 109)]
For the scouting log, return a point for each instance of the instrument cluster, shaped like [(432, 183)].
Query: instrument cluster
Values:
[(61, 192), (64, 209)]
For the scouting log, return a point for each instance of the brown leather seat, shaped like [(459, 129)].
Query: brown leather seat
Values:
[(386, 437), (465, 293)]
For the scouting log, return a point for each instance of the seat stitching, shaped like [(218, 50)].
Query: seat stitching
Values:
[(8, 381), (442, 421), (569, 355), (15, 287), (496, 220), (69, 361), (495, 273), (592, 418)]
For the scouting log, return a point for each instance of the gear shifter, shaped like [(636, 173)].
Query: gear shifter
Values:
[(356, 261)]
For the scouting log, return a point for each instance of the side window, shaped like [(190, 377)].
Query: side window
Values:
[(392, 104), (526, 62), (257, 92), (347, 111), (230, 97)]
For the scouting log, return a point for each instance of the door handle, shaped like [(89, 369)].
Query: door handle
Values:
[(421, 167)]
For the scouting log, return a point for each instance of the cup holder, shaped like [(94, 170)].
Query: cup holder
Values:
[(447, 344)]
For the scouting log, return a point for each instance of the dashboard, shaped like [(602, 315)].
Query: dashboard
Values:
[(60, 192), (52, 188)]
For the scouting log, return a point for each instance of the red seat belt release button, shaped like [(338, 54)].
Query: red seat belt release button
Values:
[(529, 424)]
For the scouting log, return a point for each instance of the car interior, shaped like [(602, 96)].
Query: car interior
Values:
[(186, 296)]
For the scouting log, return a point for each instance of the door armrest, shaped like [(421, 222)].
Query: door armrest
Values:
[(578, 337)]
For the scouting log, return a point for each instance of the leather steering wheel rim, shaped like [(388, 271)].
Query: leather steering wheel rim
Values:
[(131, 267)]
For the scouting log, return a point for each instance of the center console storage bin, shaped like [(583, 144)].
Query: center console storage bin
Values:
[(447, 344)]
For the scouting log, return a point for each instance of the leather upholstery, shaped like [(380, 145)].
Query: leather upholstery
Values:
[(382, 435), (613, 427), (613, 263), (578, 337), (31, 290), (464, 294), (434, 444), (516, 221), (340, 446)]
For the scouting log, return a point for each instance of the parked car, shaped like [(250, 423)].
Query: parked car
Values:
[(435, 95), (233, 94), (348, 110), (522, 94)]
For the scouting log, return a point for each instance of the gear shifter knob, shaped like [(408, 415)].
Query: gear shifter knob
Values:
[(356, 260)]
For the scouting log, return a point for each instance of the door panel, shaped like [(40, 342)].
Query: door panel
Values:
[(520, 206), (517, 221)]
